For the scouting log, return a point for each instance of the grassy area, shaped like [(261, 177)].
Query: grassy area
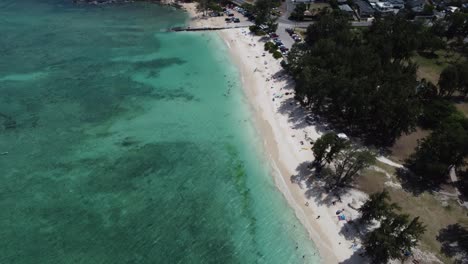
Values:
[(319, 6), (429, 207), (405, 145), (301, 32), (315, 8), (462, 107), (430, 67)]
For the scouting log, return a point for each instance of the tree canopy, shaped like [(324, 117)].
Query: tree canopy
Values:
[(395, 236), (446, 146), (361, 81), (348, 164), (326, 148), (377, 207), (298, 13)]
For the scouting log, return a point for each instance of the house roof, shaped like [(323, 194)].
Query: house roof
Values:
[(345, 8), (364, 7)]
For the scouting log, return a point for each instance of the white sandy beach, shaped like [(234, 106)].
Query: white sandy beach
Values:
[(198, 20), (287, 143), (287, 137)]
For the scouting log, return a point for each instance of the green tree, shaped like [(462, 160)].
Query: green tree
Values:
[(428, 10), (457, 27), (448, 81), (445, 147), (331, 25), (436, 111), (379, 99), (262, 10), (298, 13), (377, 207), (393, 37), (394, 106), (348, 164), (326, 148), (248, 7), (430, 42), (395, 236)]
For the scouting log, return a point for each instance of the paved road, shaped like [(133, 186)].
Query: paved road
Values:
[(284, 36), (284, 22)]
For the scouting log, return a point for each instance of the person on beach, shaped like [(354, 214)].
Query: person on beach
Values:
[(318, 217)]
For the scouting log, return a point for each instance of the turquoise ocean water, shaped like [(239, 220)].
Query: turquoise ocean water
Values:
[(127, 144)]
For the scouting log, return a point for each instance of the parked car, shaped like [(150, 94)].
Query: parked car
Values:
[(236, 20), (273, 35), (230, 14)]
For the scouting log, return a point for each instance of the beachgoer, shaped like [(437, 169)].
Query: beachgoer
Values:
[(318, 217), (307, 204)]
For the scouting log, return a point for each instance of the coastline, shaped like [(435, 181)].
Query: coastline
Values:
[(286, 142), (282, 144)]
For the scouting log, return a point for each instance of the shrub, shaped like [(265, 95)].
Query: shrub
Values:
[(273, 48), (277, 54), (256, 30), (253, 28), (268, 45)]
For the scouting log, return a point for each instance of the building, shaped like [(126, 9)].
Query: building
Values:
[(347, 9), (364, 9), (416, 5), (397, 4), (383, 7)]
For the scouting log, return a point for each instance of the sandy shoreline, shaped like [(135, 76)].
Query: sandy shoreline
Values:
[(282, 135), (286, 140)]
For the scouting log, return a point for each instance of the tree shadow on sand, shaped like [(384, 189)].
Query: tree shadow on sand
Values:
[(454, 240), (317, 187), (304, 173), (300, 117)]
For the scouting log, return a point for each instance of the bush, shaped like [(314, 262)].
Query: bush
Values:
[(273, 48), (268, 46), (277, 54), (253, 28), (256, 30)]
